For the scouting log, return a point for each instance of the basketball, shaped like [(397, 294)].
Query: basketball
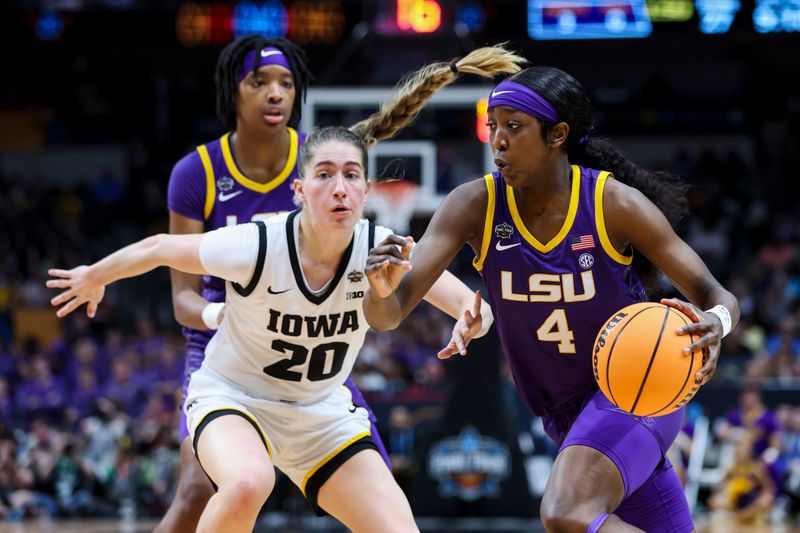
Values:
[(639, 362)]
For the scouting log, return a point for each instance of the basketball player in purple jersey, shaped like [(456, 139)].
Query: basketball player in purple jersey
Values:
[(244, 176), (561, 233)]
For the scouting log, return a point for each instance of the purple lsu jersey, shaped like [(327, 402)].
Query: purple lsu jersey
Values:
[(207, 185), (550, 299)]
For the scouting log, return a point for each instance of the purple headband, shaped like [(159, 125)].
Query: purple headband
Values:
[(522, 98), (267, 56)]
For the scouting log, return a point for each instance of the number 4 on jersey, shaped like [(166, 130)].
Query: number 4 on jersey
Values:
[(556, 329)]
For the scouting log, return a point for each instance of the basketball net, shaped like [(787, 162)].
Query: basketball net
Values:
[(393, 204)]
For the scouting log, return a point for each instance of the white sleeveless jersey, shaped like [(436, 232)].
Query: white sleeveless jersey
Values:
[(279, 340)]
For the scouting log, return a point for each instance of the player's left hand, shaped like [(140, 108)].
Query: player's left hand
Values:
[(80, 289), (709, 328), (467, 328)]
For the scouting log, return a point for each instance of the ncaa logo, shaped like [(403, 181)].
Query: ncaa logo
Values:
[(586, 261)]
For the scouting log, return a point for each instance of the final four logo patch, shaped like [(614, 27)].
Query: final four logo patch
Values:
[(503, 231), (225, 183), (355, 276)]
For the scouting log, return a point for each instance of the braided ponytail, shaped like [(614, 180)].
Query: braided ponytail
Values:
[(419, 87)]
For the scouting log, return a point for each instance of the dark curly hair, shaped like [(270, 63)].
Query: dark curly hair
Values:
[(229, 68)]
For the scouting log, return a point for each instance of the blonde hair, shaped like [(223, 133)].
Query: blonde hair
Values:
[(420, 86)]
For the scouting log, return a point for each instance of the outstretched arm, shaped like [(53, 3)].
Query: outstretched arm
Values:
[(86, 284), (654, 237), (229, 253)]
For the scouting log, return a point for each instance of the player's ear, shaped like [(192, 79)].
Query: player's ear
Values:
[(297, 185), (558, 134), (369, 186)]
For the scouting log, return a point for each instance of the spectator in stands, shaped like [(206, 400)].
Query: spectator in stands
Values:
[(41, 393), (747, 490)]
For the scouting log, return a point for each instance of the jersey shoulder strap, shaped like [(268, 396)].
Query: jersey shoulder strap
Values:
[(262, 257)]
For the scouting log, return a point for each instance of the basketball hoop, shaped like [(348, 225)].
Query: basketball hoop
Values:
[(393, 203)]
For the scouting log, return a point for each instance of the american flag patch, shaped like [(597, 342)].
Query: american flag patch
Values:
[(584, 242)]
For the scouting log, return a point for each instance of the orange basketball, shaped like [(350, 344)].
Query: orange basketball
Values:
[(639, 362)]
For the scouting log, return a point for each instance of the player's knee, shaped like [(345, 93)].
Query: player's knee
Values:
[(560, 518), (249, 489)]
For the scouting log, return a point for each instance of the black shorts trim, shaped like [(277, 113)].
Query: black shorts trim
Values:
[(324, 472), (213, 415)]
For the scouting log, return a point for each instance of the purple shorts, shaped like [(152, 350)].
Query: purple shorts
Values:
[(194, 358), (654, 498)]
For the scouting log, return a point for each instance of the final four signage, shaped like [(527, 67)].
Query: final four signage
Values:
[(469, 466)]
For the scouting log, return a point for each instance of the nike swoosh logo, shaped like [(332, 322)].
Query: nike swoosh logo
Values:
[(267, 53), (269, 290), (225, 197), (498, 93), (353, 409), (499, 247)]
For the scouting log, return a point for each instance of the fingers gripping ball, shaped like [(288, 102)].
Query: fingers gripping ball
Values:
[(639, 362)]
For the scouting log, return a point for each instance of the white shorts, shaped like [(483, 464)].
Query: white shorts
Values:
[(306, 442)]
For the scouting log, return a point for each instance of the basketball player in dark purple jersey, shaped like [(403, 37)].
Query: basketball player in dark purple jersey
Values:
[(564, 233), (244, 176)]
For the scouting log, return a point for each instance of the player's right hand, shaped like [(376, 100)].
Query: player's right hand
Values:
[(388, 263), (80, 289)]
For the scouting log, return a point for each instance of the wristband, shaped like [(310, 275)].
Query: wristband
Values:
[(211, 314), (725, 317)]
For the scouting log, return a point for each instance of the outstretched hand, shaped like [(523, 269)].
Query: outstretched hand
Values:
[(709, 328), (80, 289), (388, 263), (467, 328)]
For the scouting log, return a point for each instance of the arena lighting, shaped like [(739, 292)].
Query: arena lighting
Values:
[(419, 16), (321, 21), (219, 23), (481, 128), (473, 16), (670, 10), (268, 20), (588, 19), (776, 16), (49, 25), (220, 27), (716, 16)]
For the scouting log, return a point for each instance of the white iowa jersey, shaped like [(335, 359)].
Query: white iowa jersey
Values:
[(279, 340)]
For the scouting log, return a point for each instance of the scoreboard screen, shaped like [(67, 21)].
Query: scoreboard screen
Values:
[(593, 19)]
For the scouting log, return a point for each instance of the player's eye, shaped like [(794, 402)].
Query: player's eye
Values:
[(491, 124), (352, 175), (323, 174), (512, 125), (288, 84)]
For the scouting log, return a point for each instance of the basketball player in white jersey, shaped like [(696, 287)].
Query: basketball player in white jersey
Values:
[(269, 392)]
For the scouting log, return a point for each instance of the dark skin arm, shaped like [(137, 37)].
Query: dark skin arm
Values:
[(187, 303), (653, 236), (397, 285)]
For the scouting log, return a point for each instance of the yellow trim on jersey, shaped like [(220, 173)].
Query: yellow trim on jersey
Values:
[(330, 456), (210, 188), (246, 415), (291, 159), (477, 262), (600, 222), (573, 209)]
